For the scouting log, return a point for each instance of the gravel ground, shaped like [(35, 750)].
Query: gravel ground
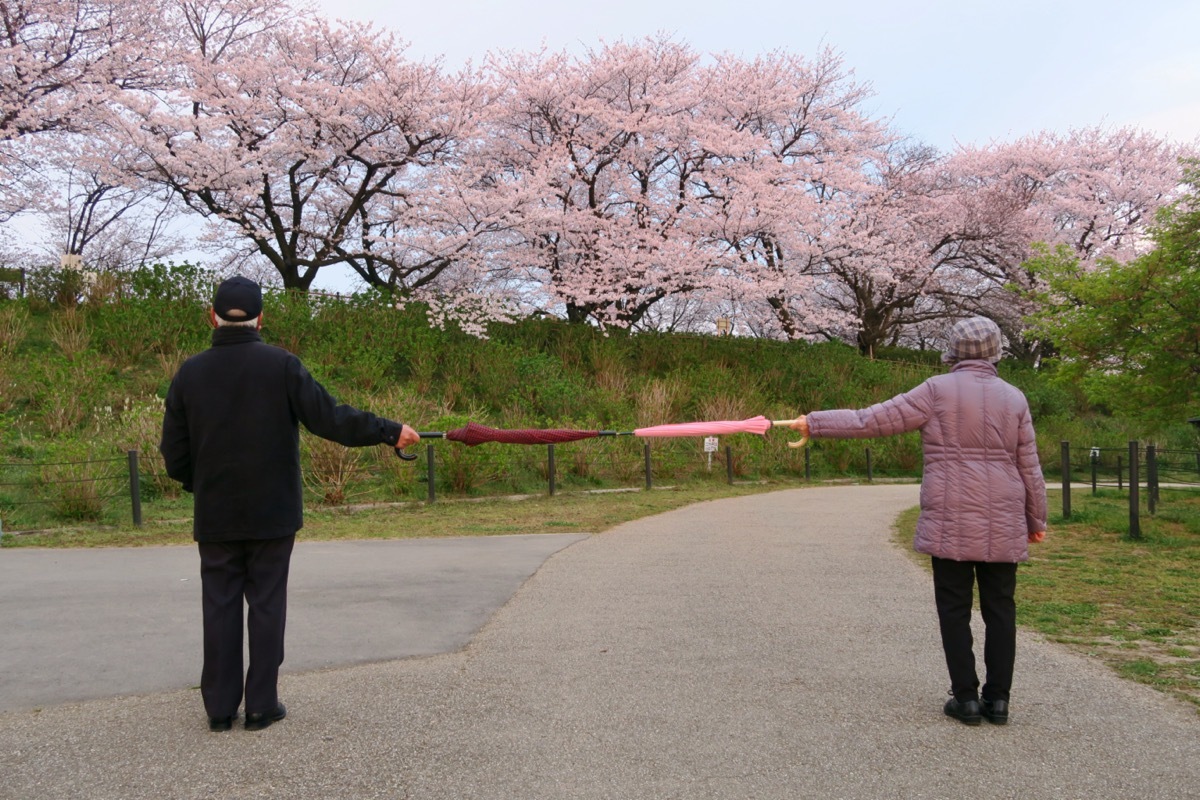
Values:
[(773, 646)]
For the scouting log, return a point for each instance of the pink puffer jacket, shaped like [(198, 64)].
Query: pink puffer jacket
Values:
[(983, 491)]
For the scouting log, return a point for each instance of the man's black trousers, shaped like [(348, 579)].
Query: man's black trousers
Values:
[(953, 587), (254, 571)]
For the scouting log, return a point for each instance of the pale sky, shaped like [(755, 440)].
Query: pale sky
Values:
[(946, 71)]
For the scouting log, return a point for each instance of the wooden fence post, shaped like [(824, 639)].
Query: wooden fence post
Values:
[(1152, 478), (135, 488), (1066, 480), (429, 473), (1135, 525), (646, 451)]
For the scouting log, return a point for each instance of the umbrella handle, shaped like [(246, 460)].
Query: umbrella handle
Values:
[(403, 456), (780, 423)]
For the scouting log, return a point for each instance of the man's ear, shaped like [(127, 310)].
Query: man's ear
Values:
[(258, 325), (212, 316)]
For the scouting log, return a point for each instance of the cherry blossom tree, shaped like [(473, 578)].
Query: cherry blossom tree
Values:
[(1091, 189), (61, 61), (639, 185), (931, 237), (88, 208), (603, 151), (797, 166), (880, 276), (1127, 333), (311, 143)]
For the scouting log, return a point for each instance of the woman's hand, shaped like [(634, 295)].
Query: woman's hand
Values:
[(800, 423)]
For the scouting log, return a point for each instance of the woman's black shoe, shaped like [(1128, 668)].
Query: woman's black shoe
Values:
[(220, 723), (966, 711), (995, 711)]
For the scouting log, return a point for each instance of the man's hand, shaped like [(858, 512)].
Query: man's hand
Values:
[(1037, 536), (408, 437)]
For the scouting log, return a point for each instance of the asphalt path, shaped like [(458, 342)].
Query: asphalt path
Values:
[(83, 624), (771, 646)]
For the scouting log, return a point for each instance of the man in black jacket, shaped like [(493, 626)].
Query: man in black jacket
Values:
[(231, 436)]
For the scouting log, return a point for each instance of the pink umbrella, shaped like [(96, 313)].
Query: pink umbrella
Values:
[(759, 425)]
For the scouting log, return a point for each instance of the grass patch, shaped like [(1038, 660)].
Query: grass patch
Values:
[(1135, 604), (564, 512)]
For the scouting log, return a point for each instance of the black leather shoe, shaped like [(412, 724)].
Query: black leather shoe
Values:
[(220, 723), (994, 711), (966, 711), (257, 720)]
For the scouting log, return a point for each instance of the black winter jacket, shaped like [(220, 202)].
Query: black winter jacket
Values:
[(231, 435)]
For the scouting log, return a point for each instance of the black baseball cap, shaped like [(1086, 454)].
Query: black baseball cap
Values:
[(238, 299)]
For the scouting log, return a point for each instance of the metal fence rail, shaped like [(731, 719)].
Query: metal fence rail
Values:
[(31, 489)]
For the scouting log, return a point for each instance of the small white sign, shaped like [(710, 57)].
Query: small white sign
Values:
[(710, 444)]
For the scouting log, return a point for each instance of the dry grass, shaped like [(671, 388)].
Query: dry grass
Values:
[(331, 470), (724, 406), (69, 331), (76, 494), (14, 327), (657, 401)]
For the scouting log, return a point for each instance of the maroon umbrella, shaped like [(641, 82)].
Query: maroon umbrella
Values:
[(472, 434)]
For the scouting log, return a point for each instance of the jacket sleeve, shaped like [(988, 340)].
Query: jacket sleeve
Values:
[(323, 416), (175, 446), (1031, 474), (901, 414)]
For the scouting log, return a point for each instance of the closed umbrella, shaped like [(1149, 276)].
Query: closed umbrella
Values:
[(473, 434), (759, 425)]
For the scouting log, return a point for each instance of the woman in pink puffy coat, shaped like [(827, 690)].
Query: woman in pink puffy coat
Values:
[(983, 500)]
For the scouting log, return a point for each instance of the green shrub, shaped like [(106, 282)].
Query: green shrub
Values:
[(54, 287), (158, 310)]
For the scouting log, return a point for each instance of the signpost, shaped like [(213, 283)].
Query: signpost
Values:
[(710, 447)]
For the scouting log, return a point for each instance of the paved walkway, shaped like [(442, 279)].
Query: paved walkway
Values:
[(85, 624), (773, 646)]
